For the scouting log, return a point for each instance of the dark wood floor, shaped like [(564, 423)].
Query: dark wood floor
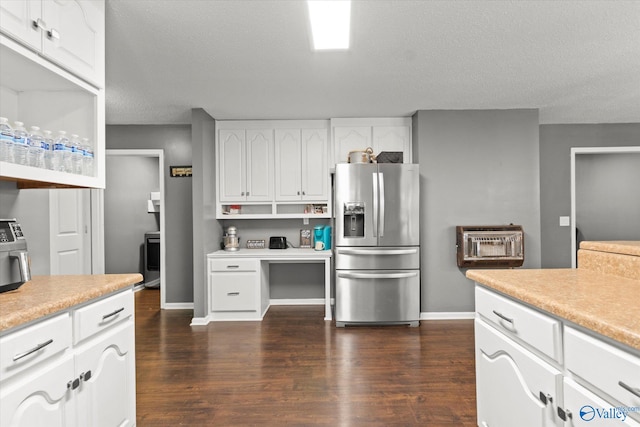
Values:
[(293, 368)]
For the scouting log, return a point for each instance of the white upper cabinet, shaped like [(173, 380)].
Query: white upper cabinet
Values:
[(301, 164), (246, 165), (381, 134), (67, 32)]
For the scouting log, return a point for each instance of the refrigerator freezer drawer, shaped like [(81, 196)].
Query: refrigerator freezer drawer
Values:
[(378, 297), (377, 258)]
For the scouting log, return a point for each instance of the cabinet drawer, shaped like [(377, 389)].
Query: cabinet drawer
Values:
[(101, 315), (29, 346), (590, 410), (540, 331), (233, 264), (604, 366), (234, 292)]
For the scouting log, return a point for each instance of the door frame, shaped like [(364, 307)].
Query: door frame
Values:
[(577, 151), (98, 211)]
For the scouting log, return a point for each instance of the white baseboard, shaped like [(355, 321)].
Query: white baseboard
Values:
[(448, 315), (178, 305), (199, 321), (297, 301)]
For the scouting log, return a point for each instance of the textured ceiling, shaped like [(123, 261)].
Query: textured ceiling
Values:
[(575, 61)]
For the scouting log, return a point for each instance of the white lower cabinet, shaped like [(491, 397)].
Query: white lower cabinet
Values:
[(530, 372), (514, 387), (91, 383), (235, 289)]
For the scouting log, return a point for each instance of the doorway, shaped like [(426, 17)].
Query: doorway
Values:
[(133, 206), (605, 197)]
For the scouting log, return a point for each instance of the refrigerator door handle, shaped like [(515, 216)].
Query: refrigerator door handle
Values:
[(375, 203), (377, 275), (377, 251), (381, 195)]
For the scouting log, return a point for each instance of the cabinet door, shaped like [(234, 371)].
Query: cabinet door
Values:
[(74, 37), (17, 18), (232, 159), (350, 138), (260, 159), (288, 168), (509, 380), (392, 138), (314, 165), (108, 397), (40, 397)]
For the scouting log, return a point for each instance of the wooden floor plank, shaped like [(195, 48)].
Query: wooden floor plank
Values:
[(294, 368)]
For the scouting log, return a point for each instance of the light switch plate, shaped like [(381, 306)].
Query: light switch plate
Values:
[(565, 221)]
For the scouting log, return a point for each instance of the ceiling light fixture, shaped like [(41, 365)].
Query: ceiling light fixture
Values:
[(330, 22)]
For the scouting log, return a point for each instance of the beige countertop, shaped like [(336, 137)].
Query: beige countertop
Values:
[(603, 303), (624, 247), (44, 295)]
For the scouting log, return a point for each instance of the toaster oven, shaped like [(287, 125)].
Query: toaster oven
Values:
[(490, 246)]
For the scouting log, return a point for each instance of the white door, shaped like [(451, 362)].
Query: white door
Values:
[(75, 36), (288, 166), (106, 396), (17, 17), (70, 241), (314, 161), (260, 159)]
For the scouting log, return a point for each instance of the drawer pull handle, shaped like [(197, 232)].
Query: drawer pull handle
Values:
[(233, 266), (33, 350), (632, 390), (503, 317), (113, 313), (233, 294)]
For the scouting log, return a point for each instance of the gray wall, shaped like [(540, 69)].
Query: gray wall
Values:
[(129, 180), (608, 196), (555, 178), (207, 232), (476, 168), (31, 208), (175, 140)]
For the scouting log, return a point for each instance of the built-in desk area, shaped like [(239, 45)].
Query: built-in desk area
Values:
[(238, 281)]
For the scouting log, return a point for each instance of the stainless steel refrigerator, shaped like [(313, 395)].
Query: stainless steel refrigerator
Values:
[(377, 244)]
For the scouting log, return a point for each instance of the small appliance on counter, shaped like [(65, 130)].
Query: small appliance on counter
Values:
[(322, 237), (231, 240), (277, 242), (15, 268)]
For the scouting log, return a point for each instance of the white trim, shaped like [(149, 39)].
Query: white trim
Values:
[(159, 153), (200, 321), (448, 315), (587, 150), (178, 305), (296, 301)]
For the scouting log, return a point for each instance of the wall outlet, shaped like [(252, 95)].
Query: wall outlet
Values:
[(565, 221)]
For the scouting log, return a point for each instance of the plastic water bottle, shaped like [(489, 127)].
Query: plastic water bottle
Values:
[(20, 144), (6, 141), (76, 155), (60, 145), (47, 146), (35, 152), (87, 158)]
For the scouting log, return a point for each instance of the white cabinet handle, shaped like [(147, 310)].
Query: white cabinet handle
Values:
[(233, 266), (33, 350), (233, 294), (632, 390)]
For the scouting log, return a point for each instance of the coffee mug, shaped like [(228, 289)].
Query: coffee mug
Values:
[(319, 246)]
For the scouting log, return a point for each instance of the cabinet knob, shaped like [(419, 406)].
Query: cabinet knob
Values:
[(247, 193), (53, 34), (304, 193), (242, 194), (564, 414), (298, 193)]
